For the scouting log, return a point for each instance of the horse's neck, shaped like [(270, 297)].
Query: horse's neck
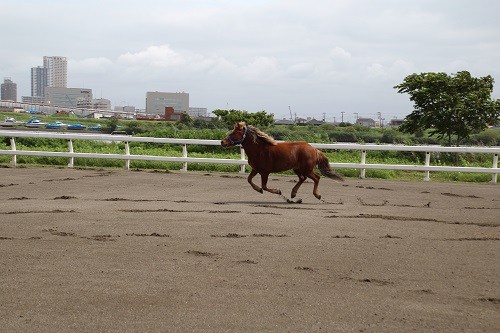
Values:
[(252, 148)]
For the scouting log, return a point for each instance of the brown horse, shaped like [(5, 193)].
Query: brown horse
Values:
[(265, 155)]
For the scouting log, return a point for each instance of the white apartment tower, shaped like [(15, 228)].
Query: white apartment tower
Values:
[(57, 71)]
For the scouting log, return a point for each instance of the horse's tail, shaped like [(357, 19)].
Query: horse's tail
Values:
[(324, 166)]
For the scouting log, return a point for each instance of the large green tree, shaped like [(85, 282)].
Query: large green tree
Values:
[(258, 119), (449, 105), (185, 119)]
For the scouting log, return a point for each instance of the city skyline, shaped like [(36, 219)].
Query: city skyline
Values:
[(322, 59)]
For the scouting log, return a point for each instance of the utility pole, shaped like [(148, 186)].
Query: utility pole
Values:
[(342, 115)]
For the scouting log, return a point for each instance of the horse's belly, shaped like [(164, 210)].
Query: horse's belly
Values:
[(285, 156)]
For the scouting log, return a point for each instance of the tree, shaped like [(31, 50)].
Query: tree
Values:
[(258, 119), (449, 105), (112, 124), (199, 123), (185, 119)]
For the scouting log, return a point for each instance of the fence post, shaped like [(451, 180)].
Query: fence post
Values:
[(363, 161), (495, 166), (13, 147), (427, 163), (127, 152), (242, 152), (184, 154), (71, 159)]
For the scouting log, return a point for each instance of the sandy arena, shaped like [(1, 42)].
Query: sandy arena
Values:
[(139, 251)]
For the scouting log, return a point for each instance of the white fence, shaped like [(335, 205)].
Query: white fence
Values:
[(185, 159)]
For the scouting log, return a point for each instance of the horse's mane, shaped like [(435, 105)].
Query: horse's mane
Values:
[(258, 136)]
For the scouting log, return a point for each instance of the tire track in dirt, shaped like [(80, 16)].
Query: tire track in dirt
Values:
[(386, 217), (387, 203), (473, 239), (20, 198), (410, 218), (234, 235), (54, 211), (105, 237), (460, 196), (8, 185), (169, 210)]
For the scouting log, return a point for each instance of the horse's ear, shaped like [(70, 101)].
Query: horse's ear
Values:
[(239, 124)]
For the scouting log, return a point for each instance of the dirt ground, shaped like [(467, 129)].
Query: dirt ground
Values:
[(139, 251)]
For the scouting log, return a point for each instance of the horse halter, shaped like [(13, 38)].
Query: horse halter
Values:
[(235, 142)]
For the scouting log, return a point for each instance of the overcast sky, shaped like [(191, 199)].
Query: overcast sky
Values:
[(317, 58)]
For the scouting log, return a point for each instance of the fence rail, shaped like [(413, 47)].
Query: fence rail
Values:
[(185, 159)]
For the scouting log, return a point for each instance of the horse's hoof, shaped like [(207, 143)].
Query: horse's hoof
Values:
[(294, 194), (261, 191), (318, 196)]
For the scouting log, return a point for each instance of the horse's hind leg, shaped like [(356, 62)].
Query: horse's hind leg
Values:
[(250, 177), (264, 177), (315, 179), (302, 178)]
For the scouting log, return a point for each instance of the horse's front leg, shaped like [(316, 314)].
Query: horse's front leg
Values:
[(264, 177), (250, 177)]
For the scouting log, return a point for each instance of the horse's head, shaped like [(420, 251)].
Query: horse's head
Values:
[(236, 136)]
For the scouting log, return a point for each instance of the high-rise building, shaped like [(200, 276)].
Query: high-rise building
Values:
[(38, 81), (67, 97), (8, 90), (53, 73), (57, 71), (157, 101)]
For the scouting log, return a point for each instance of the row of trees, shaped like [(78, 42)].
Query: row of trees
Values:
[(227, 118)]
